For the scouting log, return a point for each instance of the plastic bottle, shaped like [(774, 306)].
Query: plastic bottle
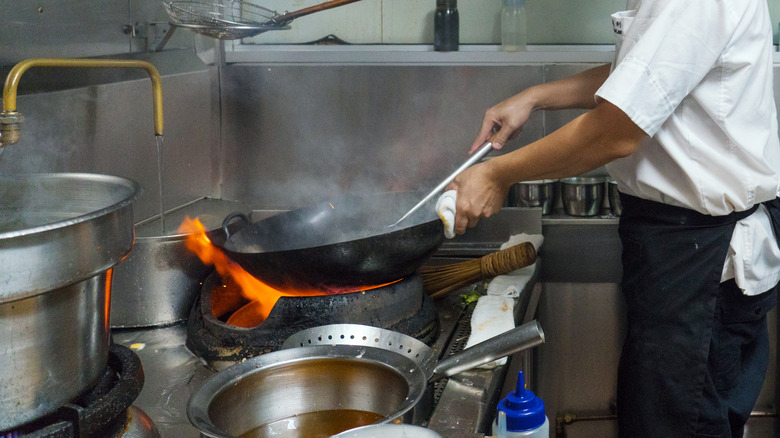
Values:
[(513, 26), (446, 26), (521, 414)]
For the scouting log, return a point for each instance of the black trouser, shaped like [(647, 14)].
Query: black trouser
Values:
[(696, 350)]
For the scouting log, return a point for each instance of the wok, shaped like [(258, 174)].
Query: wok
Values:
[(337, 246)]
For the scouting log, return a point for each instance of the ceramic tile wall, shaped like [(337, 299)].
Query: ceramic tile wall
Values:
[(411, 22)]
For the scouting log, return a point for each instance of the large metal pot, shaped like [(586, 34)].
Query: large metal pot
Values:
[(158, 282), (325, 389), (60, 234)]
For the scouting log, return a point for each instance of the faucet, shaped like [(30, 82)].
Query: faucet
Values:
[(11, 120)]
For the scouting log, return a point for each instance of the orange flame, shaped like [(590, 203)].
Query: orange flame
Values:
[(262, 296)]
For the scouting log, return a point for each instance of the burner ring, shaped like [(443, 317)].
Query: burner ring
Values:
[(402, 306)]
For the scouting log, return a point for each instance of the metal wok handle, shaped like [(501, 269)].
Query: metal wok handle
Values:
[(519, 338), (229, 219), (481, 153)]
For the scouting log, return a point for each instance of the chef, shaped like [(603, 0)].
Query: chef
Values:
[(685, 122)]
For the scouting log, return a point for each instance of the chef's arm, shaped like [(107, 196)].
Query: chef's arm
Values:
[(595, 138), (509, 116), (588, 142)]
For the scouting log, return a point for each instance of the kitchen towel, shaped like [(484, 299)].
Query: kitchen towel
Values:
[(445, 208), (494, 312)]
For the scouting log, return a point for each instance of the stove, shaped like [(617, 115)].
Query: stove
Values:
[(402, 306), (104, 411), (464, 404)]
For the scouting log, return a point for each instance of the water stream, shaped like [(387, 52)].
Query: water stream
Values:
[(159, 139)]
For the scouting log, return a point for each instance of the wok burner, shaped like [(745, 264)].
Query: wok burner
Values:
[(402, 306), (104, 411)]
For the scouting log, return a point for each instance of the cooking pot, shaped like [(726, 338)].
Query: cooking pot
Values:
[(379, 378), (337, 245), (158, 282), (60, 235)]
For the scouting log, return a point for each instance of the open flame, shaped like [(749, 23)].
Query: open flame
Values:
[(261, 296)]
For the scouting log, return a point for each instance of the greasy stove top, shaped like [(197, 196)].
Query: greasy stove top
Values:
[(464, 402)]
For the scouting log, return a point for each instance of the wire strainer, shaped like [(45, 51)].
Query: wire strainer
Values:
[(235, 19)]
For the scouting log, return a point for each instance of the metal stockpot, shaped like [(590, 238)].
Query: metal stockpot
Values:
[(348, 367), (158, 282), (59, 236)]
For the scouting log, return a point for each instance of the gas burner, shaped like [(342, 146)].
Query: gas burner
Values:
[(104, 411), (402, 306)]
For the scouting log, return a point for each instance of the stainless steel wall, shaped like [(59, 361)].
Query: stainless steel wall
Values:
[(295, 134), (100, 121)]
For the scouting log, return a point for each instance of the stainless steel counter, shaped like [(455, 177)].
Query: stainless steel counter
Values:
[(465, 401)]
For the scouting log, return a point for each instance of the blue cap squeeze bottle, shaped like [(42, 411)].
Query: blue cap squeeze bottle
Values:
[(521, 414)]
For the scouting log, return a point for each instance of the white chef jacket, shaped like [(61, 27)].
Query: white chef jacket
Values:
[(696, 76)]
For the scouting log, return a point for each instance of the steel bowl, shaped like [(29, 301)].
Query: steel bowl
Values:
[(534, 194), (614, 197), (582, 196), (330, 388)]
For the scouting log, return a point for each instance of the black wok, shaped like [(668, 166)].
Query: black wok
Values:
[(338, 246)]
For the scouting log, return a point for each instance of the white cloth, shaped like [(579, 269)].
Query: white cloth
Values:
[(494, 312), (445, 208), (696, 76)]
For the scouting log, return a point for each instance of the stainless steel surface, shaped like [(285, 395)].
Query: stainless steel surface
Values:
[(409, 149), (476, 156), (491, 232), (55, 345), (173, 374), (467, 402), (367, 336), (304, 380), (59, 236), (78, 121), (582, 196), (581, 250), (534, 194), (614, 197), (518, 339), (160, 279), (58, 229), (502, 345), (139, 425)]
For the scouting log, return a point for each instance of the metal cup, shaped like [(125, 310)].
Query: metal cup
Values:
[(614, 197), (582, 196), (540, 193)]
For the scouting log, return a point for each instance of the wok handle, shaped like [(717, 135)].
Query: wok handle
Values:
[(517, 339), (481, 153), (289, 16), (226, 222)]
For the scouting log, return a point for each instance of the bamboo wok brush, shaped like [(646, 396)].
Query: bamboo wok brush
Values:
[(439, 280)]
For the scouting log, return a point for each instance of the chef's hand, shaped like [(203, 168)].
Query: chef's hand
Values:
[(504, 121), (480, 194)]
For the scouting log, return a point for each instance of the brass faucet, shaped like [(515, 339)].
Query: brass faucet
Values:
[(11, 120)]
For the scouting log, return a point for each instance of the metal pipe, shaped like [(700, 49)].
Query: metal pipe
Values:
[(10, 119), (563, 420)]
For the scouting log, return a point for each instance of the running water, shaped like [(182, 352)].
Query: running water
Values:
[(159, 139)]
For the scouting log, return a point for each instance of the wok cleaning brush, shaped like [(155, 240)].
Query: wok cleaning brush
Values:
[(439, 280)]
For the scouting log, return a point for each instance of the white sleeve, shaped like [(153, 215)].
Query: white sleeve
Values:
[(670, 46)]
